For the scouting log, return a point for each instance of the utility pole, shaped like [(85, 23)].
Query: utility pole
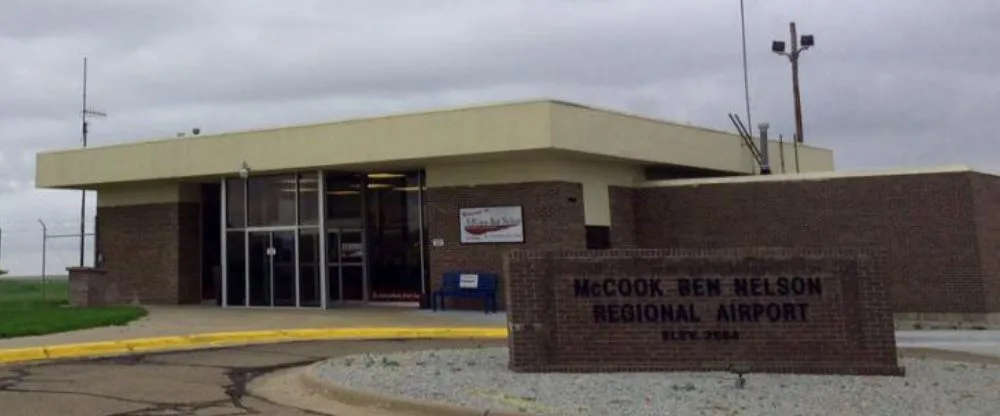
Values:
[(798, 45), (85, 114)]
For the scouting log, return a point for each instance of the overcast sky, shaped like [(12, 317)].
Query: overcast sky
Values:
[(889, 83)]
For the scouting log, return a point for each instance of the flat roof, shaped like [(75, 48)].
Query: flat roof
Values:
[(499, 130), (812, 176)]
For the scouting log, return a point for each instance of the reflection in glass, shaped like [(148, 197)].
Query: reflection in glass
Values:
[(373, 237), (345, 239), (333, 283), (235, 269), (343, 200), (260, 269), (309, 283), (283, 267), (354, 285), (393, 205), (308, 199), (271, 200), (235, 215)]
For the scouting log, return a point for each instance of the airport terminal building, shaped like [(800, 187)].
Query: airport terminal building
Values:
[(375, 210)]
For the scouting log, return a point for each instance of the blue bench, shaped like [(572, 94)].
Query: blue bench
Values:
[(467, 285)]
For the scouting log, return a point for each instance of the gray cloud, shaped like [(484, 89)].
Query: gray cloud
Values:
[(892, 83)]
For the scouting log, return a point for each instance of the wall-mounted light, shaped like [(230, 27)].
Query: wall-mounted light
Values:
[(244, 170)]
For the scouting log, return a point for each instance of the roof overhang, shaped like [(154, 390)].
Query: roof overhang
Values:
[(486, 132)]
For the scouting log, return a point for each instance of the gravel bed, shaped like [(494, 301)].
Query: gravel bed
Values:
[(479, 378)]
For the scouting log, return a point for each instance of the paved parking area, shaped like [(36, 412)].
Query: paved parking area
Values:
[(215, 382), (976, 342), (199, 383)]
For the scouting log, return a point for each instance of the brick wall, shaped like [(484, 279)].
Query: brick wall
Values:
[(622, 217), (986, 189), (553, 219), (926, 223), (152, 251), (563, 318)]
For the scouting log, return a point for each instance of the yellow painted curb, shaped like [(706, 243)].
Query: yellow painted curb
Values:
[(213, 340), (154, 344), (85, 349), (22, 354)]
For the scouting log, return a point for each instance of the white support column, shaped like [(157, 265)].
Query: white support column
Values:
[(298, 228), (423, 249), (224, 263), (323, 269), (246, 242)]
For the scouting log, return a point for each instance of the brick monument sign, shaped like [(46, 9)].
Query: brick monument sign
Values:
[(781, 310)]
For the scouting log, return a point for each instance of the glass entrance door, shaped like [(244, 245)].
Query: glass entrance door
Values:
[(346, 272), (272, 268)]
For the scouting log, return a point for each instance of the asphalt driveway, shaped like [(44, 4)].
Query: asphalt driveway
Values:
[(199, 383)]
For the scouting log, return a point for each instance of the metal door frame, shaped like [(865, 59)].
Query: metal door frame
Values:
[(295, 262), (295, 228), (339, 262)]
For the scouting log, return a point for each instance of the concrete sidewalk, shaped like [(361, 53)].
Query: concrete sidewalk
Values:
[(165, 321), (977, 342)]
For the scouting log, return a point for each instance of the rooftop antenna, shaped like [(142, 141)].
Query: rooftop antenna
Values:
[(765, 162), (755, 153), (781, 151), (85, 114)]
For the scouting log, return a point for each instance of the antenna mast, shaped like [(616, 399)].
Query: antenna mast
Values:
[(746, 76), (85, 114)]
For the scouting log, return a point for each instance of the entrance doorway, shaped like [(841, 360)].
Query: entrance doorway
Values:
[(272, 268), (320, 239), (347, 265)]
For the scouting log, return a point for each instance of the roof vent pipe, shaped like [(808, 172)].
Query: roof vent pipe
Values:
[(765, 164)]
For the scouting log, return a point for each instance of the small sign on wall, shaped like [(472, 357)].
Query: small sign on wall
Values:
[(468, 281), (491, 225), (437, 242)]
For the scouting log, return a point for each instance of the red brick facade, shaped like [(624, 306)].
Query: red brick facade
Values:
[(814, 311), (940, 231), (986, 191), (622, 199), (553, 219), (151, 251)]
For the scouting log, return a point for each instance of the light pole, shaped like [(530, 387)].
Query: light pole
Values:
[(798, 44)]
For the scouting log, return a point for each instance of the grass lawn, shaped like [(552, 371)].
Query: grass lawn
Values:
[(25, 311)]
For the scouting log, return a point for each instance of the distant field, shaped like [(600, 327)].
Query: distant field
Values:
[(34, 278), (27, 307)]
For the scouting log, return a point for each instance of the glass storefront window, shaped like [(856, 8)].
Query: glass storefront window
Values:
[(271, 200), (308, 199), (343, 200), (235, 214), (309, 267), (372, 235), (394, 232), (235, 268)]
